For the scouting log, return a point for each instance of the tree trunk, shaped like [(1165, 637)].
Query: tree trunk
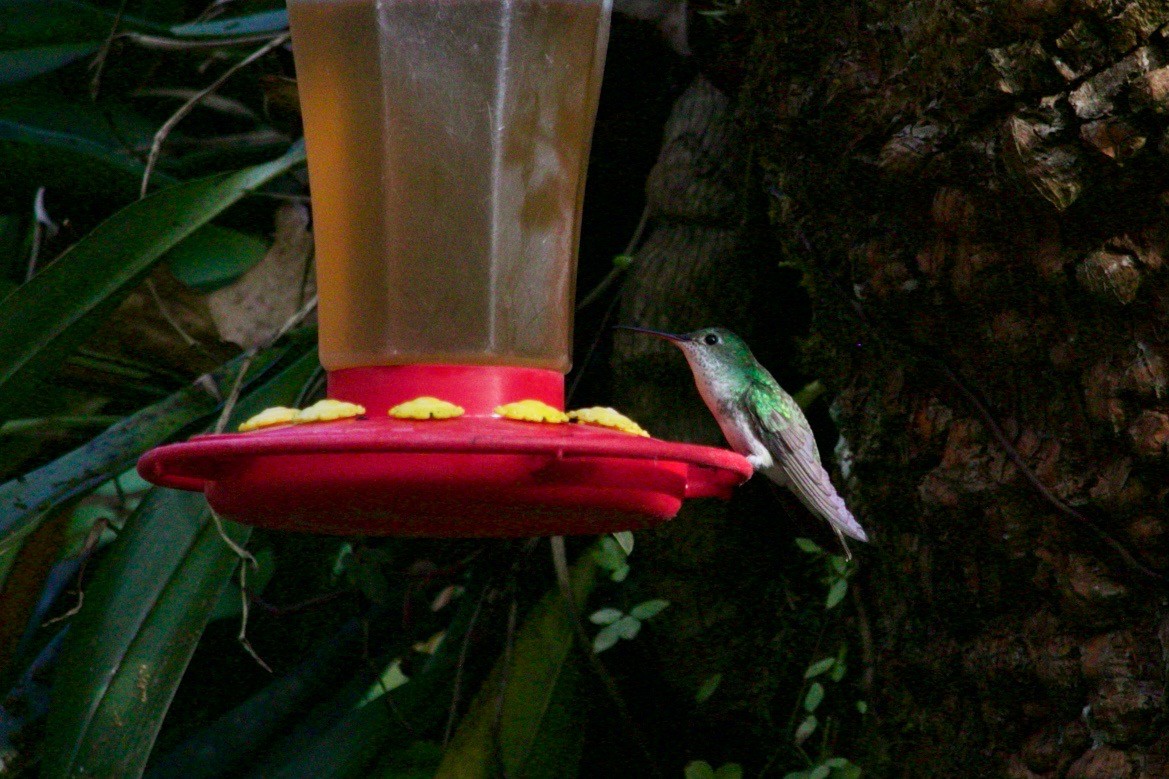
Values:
[(982, 191), (975, 193)]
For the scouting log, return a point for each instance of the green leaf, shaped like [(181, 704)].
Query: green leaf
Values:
[(23, 500), (850, 771), (44, 320), (391, 678), (609, 554), (796, 775), (143, 615), (214, 256), (7, 558), (605, 616), (836, 593), (540, 721), (624, 539), (806, 729), (289, 709), (606, 638), (838, 671), (814, 697), (229, 605), (15, 239), (127, 649), (708, 687), (336, 740), (819, 667), (819, 772), (22, 64), (699, 769), (627, 627), (729, 771), (808, 393), (648, 609), (235, 26), (83, 519), (808, 545), (82, 150), (862, 707), (43, 22), (839, 564), (837, 762)]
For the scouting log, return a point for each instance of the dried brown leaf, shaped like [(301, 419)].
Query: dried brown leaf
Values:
[(251, 311), (169, 327)]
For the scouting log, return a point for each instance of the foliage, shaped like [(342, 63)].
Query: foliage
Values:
[(619, 625), (84, 88), (700, 769), (118, 614), (537, 711), (611, 556), (819, 677)]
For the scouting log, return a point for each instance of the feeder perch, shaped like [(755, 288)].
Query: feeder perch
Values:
[(447, 144)]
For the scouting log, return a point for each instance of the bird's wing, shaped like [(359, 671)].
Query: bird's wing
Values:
[(785, 432)]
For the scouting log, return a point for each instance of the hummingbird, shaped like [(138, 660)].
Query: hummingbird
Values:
[(762, 422)]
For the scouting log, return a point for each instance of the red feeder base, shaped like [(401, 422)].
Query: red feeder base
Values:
[(475, 475)]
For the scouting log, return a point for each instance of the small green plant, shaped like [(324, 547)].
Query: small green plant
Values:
[(832, 768), (613, 554), (837, 571), (707, 688), (819, 677), (700, 769), (619, 625)]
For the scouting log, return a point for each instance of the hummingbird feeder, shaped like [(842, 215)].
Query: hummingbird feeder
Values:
[(447, 146)]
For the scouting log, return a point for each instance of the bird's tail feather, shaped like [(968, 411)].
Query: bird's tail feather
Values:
[(836, 513), (810, 483)]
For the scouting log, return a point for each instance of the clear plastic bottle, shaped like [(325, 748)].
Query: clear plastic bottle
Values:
[(447, 144)]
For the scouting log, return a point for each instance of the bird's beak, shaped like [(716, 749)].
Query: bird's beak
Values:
[(668, 336)]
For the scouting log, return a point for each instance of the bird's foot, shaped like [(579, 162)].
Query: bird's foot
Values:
[(844, 543)]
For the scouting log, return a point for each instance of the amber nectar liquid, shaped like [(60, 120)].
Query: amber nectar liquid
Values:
[(447, 147)]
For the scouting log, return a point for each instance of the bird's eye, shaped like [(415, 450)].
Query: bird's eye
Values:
[(710, 339)]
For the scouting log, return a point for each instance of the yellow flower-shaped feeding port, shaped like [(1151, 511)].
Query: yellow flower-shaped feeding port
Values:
[(328, 411), (269, 417), (426, 407), (531, 411), (601, 416)]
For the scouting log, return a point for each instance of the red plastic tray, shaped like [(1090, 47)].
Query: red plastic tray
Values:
[(475, 475)]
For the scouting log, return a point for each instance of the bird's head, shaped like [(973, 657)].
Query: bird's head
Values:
[(714, 351)]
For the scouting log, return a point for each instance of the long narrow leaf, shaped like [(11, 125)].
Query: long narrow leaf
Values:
[(226, 744), (39, 22), (347, 748), (234, 26), (143, 615), (539, 732), (44, 320), (214, 256), (23, 500), (23, 64), (80, 149)]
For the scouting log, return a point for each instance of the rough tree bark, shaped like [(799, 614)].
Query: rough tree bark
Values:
[(983, 188), (977, 195)]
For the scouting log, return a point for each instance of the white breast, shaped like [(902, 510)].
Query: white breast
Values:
[(733, 422)]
